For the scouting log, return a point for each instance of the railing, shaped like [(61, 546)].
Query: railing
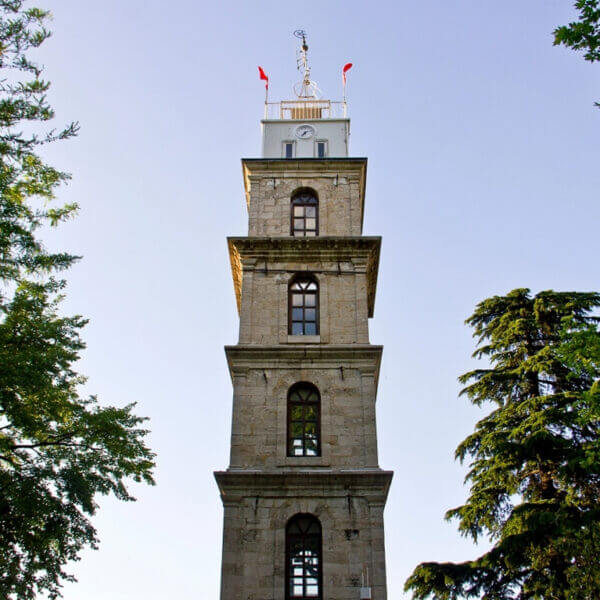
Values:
[(306, 109)]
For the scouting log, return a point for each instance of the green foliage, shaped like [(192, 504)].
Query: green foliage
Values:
[(535, 459), (584, 34), (58, 451)]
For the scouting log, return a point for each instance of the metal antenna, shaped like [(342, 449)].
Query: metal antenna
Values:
[(305, 88)]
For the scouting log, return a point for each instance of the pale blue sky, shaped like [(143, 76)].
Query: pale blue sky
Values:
[(483, 176)]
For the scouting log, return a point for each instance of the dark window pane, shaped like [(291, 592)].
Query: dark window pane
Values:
[(303, 428), (310, 329), (304, 204), (289, 150), (310, 412), (310, 435), (301, 394), (310, 314), (303, 571), (297, 329), (310, 430), (297, 412), (298, 312)]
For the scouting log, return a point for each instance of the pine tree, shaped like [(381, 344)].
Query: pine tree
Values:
[(58, 451), (535, 459)]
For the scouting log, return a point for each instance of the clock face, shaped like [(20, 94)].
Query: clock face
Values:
[(304, 132)]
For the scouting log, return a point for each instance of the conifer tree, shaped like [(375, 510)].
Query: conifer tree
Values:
[(535, 459), (58, 450)]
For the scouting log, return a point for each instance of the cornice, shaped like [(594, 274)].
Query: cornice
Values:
[(295, 121), (299, 164), (234, 485), (306, 250), (365, 357), (276, 354)]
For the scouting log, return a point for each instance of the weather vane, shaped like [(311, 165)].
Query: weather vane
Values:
[(305, 88)]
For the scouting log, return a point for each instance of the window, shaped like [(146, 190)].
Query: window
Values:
[(288, 149), (304, 420), (303, 558), (305, 213), (321, 149), (303, 306)]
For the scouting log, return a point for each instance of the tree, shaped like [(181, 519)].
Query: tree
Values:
[(535, 459), (583, 34), (58, 450)]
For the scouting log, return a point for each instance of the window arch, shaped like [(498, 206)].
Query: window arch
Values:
[(303, 307), (303, 543), (304, 420), (305, 213)]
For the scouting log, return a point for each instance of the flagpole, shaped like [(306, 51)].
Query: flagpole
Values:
[(264, 77), (345, 68)]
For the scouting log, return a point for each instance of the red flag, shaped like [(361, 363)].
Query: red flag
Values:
[(346, 68), (264, 77)]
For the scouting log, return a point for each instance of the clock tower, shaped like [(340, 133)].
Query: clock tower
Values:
[(304, 495)]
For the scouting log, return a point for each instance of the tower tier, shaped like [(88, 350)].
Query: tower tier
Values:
[(258, 509), (342, 428)]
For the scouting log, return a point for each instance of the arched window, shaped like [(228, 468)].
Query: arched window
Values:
[(303, 558), (304, 306), (304, 420), (305, 213)]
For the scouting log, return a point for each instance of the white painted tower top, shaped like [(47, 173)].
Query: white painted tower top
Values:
[(307, 127)]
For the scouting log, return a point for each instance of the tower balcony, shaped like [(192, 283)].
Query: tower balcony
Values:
[(303, 109)]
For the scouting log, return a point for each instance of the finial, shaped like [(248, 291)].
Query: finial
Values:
[(305, 88)]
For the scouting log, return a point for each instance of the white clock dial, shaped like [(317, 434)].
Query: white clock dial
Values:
[(304, 132)]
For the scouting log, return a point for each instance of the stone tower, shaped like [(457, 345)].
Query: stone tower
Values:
[(304, 495)]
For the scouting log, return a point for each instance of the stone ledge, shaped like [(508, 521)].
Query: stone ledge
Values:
[(365, 357), (235, 485)]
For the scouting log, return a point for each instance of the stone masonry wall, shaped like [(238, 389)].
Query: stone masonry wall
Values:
[(269, 210), (259, 428), (254, 544), (343, 310)]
